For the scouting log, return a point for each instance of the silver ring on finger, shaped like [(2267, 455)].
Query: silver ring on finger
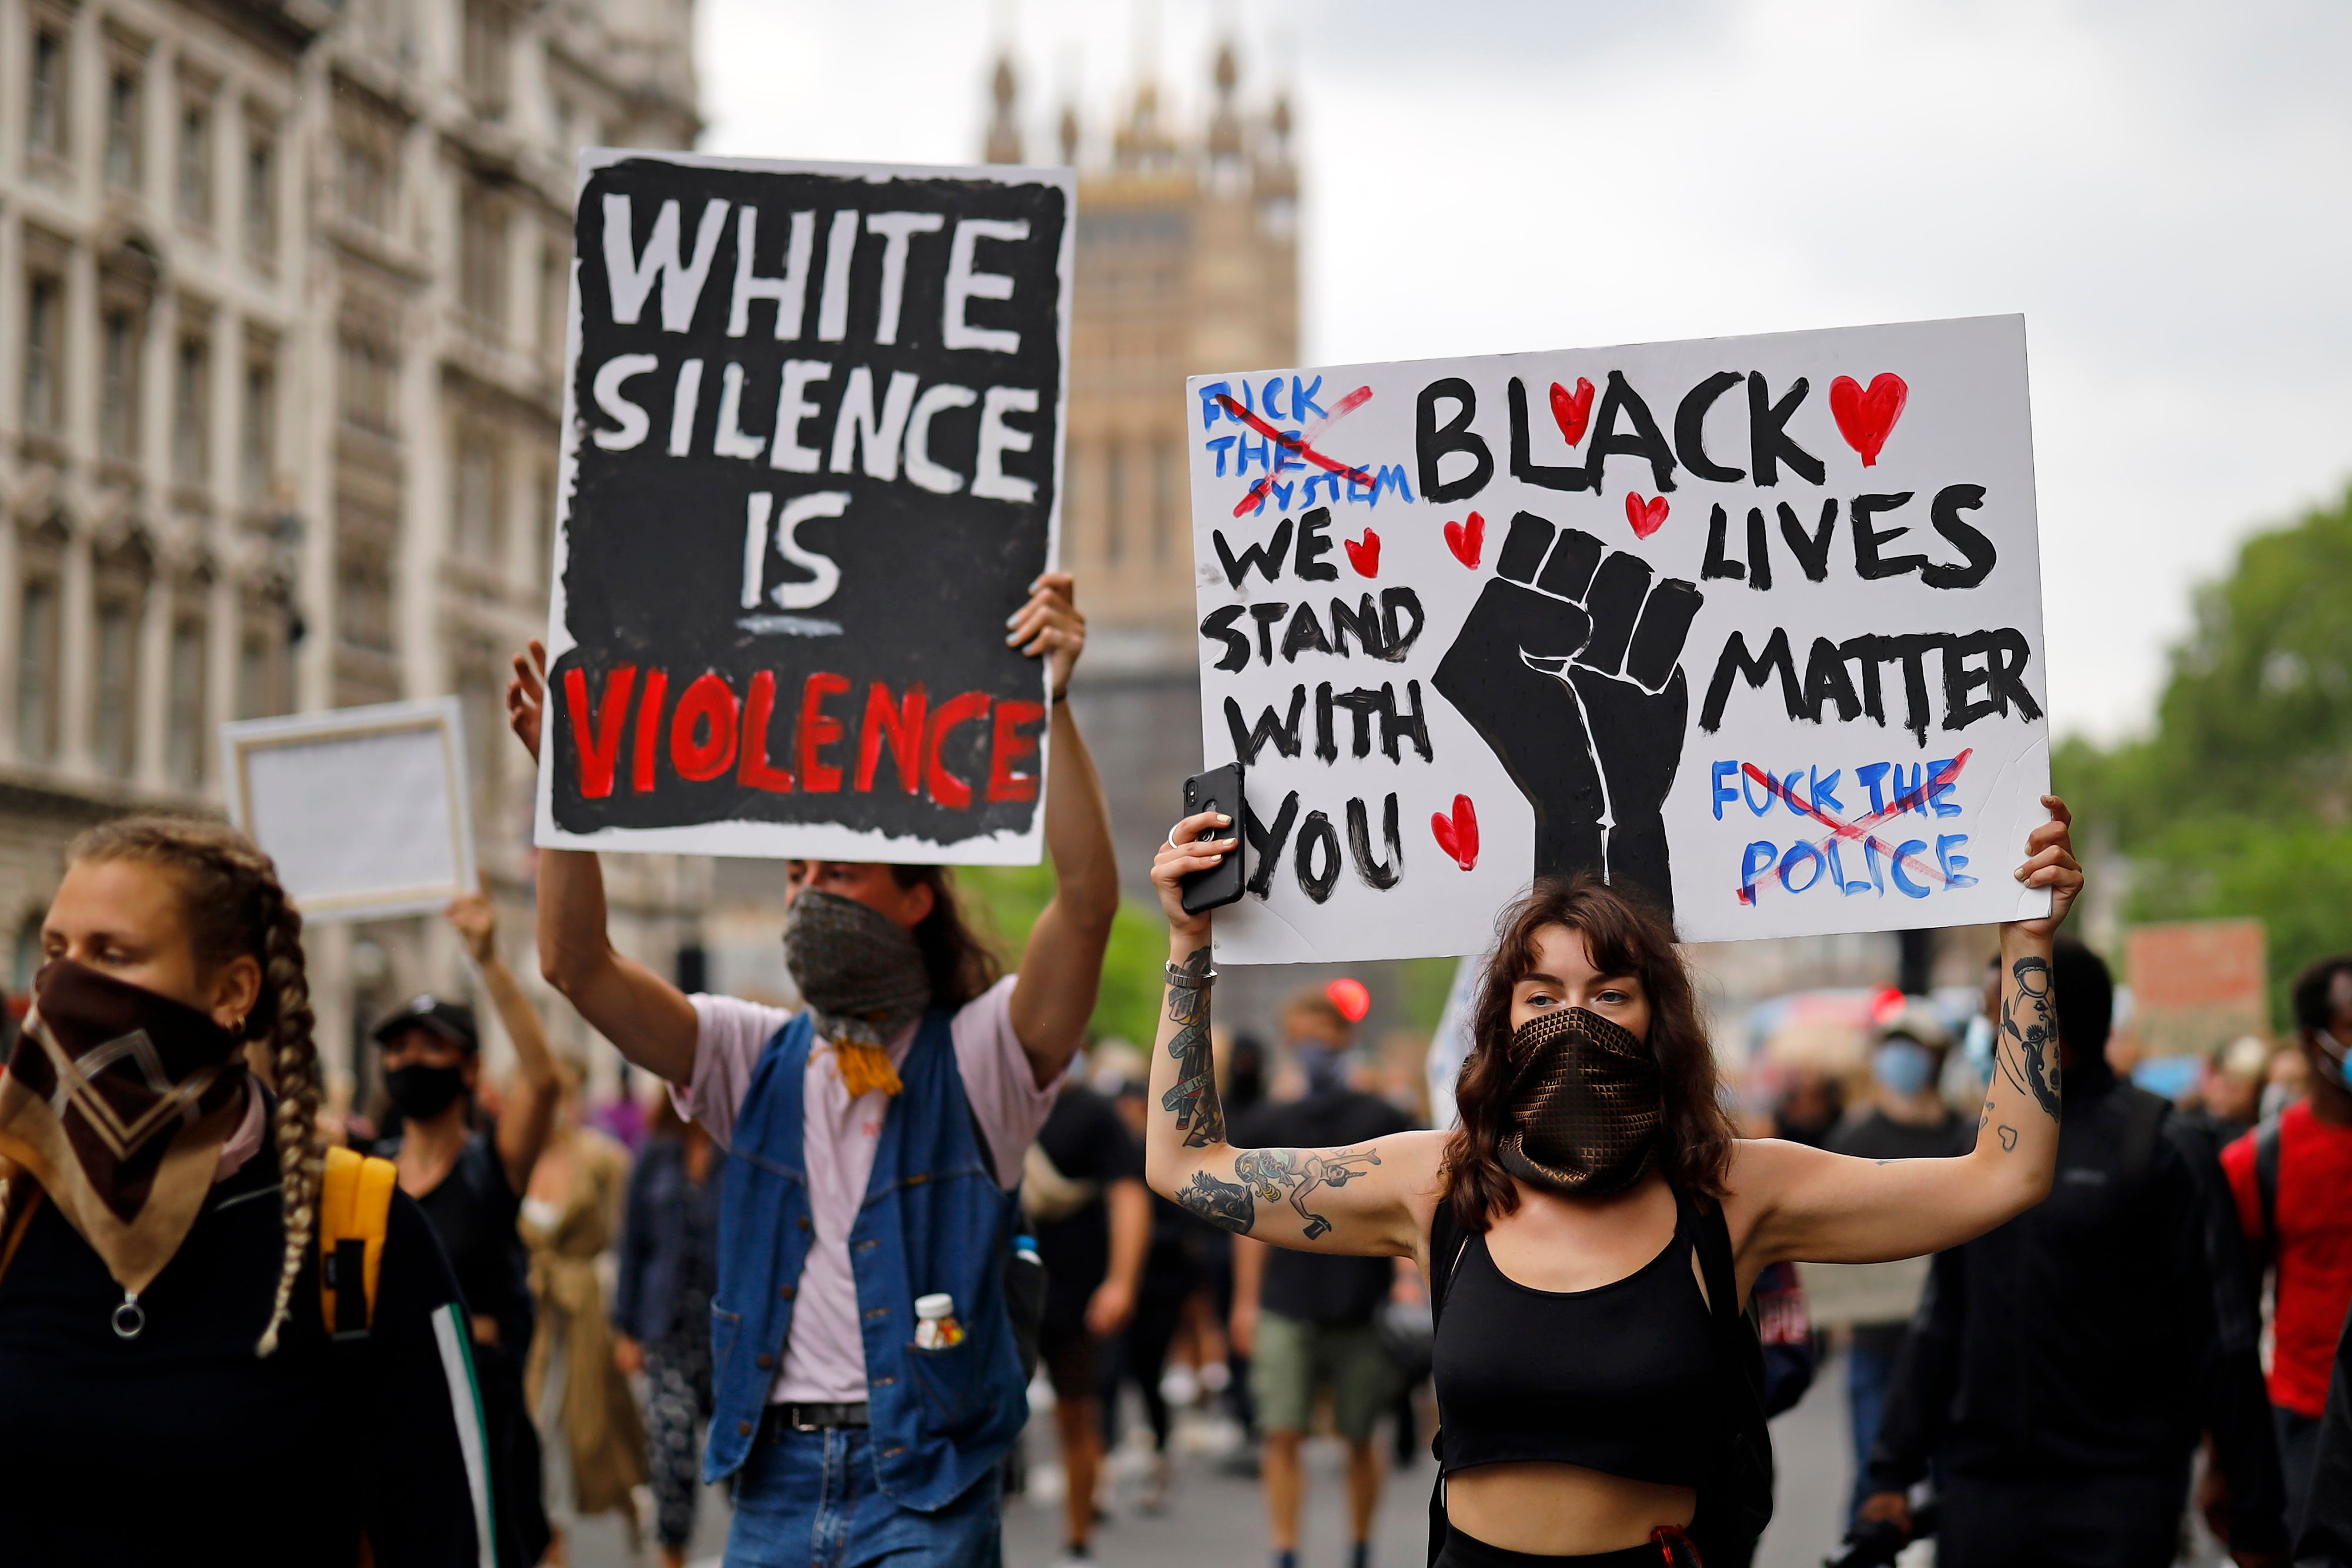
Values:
[(1173, 842)]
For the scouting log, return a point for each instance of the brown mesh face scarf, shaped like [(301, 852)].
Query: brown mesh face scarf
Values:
[(862, 974), (1585, 1103)]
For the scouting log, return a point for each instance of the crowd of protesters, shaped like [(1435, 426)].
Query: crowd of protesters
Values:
[(448, 1328)]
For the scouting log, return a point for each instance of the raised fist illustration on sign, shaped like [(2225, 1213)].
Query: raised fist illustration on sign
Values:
[(1569, 665)]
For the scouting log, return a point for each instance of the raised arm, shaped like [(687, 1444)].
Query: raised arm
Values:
[(529, 1112), (1370, 1197), (1790, 1201), (1061, 968), (648, 1019)]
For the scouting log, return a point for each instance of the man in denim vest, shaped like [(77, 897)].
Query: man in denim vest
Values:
[(874, 1141)]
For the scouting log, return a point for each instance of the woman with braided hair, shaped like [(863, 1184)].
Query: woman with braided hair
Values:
[(170, 1388)]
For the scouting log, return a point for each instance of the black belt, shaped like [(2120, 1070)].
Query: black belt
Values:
[(791, 1417)]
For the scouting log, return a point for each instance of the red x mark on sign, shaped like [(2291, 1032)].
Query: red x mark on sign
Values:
[(1937, 779), (1298, 444)]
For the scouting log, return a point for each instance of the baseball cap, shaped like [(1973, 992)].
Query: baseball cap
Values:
[(1912, 1019), (453, 1021)]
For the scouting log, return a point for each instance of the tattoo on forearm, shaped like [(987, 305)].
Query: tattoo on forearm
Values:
[(1200, 1113), (1221, 1203), (1268, 1172), (2029, 1036)]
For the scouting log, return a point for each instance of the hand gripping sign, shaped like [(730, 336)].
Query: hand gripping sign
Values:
[(1749, 627), (812, 461)]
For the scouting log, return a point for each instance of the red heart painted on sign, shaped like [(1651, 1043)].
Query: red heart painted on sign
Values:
[(1466, 539), (1866, 418), (1457, 835), (1365, 555), (1572, 412), (1647, 517)]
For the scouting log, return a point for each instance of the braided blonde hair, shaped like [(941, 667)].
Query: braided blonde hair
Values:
[(236, 907)]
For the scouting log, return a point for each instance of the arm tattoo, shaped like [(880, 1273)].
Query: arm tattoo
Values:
[(1200, 1113), (2028, 1053), (1268, 1172), (1221, 1203)]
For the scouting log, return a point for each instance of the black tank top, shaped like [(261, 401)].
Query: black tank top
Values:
[(473, 1210), (1620, 1378)]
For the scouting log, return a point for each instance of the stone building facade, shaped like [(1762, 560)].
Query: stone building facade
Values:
[(282, 286)]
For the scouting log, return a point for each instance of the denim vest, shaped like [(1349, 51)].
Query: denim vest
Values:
[(934, 1219)]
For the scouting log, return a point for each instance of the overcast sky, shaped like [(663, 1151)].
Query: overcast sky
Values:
[(2163, 189)]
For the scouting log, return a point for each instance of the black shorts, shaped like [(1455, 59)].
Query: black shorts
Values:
[(1072, 1360)]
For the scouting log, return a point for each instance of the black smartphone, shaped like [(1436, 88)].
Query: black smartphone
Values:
[(1218, 789)]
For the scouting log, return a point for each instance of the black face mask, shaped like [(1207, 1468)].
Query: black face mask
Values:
[(1586, 1099), (422, 1092)]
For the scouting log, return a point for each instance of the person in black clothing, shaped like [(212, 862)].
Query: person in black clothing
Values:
[(2063, 1367), (1906, 1119), (1175, 1265), (1810, 1107), (1244, 1091), (667, 1269), (172, 1394), (2325, 1540), (469, 1181), (1091, 1215), (1305, 1319)]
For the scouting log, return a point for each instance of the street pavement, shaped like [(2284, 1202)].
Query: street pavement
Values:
[(1216, 1518)]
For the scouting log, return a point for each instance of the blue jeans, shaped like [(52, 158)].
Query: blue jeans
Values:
[(1867, 1372), (808, 1499)]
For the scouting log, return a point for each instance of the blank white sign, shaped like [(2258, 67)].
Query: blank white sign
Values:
[(363, 809)]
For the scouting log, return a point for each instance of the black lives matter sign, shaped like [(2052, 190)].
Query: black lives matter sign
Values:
[(1749, 628), (812, 464)]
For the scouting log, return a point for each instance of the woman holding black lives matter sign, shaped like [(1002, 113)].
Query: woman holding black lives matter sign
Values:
[(865, 1379), (1592, 1227)]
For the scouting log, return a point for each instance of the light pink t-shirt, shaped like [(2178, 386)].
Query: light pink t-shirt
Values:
[(824, 1355)]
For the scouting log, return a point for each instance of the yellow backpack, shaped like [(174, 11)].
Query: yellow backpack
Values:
[(354, 1207)]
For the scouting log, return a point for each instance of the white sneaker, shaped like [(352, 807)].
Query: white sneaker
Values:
[(1157, 1487)]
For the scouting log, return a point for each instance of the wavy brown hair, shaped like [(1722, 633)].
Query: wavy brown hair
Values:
[(959, 963), (1625, 936)]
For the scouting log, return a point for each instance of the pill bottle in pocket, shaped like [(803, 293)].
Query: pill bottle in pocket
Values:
[(935, 1324)]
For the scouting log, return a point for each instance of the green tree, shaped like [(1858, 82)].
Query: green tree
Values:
[(2239, 802), (1007, 901)]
